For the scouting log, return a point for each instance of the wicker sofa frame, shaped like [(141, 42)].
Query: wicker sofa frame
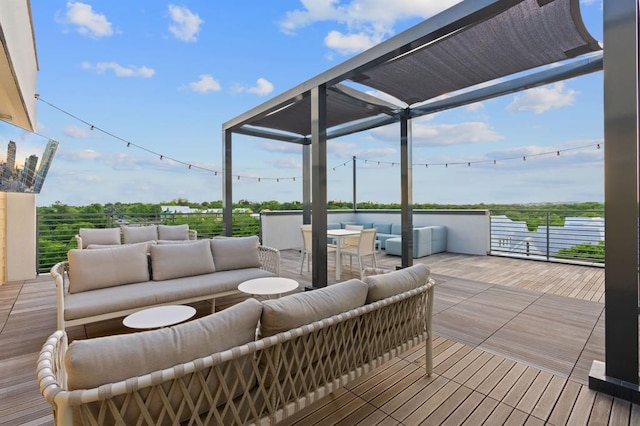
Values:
[(269, 261), (290, 370)]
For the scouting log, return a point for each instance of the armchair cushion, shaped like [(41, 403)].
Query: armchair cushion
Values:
[(181, 260), (396, 282), (173, 232), (139, 234), (93, 269), (298, 309), (105, 236), (235, 253)]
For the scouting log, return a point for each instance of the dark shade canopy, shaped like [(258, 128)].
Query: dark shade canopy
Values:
[(495, 42)]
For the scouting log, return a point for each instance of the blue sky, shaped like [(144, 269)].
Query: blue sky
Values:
[(165, 76)]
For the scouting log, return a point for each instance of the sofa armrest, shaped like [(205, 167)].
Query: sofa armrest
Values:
[(422, 242), (57, 273), (79, 241), (269, 259), (193, 234)]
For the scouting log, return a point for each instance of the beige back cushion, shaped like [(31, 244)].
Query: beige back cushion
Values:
[(173, 232), (107, 267), (396, 282), (235, 253), (139, 234), (94, 362), (299, 309), (181, 260), (106, 236)]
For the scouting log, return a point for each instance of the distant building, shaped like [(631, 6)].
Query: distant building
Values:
[(11, 157), (47, 158), (29, 171)]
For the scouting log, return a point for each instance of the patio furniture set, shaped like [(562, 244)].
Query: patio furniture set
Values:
[(117, 280), (252, 363)]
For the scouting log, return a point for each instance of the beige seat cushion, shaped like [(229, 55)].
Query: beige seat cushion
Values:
[(235, 253), (107, 267), (299, 309), (104, 236), (94, 362), (181, 260), (396, 282), (173, 232), (139, 234)]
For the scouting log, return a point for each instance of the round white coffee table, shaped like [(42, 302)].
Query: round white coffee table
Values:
[(269, 286), (158, 317)]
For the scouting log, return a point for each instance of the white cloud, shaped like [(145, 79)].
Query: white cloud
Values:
[(76, 132), (286, 163), (425, 133), (281, 147), (262, 88), (475, 107), (119, 70), (87, 21), (367, 22), (206, 84), (541, 99), (186, 24), (350, 43)]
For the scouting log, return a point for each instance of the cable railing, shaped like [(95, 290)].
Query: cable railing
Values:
[(574, 236), (56, 231)]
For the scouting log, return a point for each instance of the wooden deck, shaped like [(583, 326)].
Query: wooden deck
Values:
[(514, 341)]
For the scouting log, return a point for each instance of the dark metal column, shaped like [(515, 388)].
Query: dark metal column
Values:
[(306, 182), (619, 375), (355, 200), (406, 192), (227, 183), (319, 184)]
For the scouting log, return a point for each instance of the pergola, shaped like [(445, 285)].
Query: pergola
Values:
[(475, 50)]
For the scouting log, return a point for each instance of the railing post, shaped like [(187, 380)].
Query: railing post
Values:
[(548, 233)]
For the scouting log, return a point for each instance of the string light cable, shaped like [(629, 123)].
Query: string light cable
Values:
[(191, 166)]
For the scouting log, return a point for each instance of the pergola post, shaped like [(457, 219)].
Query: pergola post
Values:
[(227, 185), (618, 376), (319, 186), (306, 182), (406, 190)]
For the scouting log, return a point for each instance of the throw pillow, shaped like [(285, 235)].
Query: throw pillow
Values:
[(396, 282), (235, 253), (181, 260), (173, 232), (139, 234)]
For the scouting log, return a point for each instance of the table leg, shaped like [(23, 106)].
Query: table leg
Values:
[(338, 258)]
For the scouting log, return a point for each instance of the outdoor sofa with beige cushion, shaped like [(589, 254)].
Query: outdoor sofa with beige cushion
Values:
[(115, 281), (99, 237), (252, 363)]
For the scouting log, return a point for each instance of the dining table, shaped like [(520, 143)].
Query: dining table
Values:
[(340, 235)]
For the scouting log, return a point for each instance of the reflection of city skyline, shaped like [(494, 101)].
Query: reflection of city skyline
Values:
[(30, 177)]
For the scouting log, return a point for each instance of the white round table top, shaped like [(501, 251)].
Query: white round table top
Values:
[(268, 286), (159, 316)]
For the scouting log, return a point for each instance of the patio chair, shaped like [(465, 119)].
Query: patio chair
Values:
[(352, 241), (307, 245), (365, 247)]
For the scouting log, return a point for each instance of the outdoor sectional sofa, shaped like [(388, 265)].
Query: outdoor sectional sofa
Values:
[(427, 240), (115, 281), (87, 237), (252, 363)]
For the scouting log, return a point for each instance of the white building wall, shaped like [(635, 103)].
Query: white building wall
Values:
[(20, 244)]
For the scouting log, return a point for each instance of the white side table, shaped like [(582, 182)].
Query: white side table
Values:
[(159, 316), (268, 286)]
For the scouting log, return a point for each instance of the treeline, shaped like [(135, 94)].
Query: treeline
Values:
[(584, 208)]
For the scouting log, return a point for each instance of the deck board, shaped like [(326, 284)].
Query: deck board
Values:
[(513, 344)]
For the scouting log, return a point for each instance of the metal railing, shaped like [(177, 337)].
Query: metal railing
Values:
[(575, 236), (56, 232)]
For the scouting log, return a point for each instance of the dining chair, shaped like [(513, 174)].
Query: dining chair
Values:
[(307, 245), (365, 247), (352, 241)]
